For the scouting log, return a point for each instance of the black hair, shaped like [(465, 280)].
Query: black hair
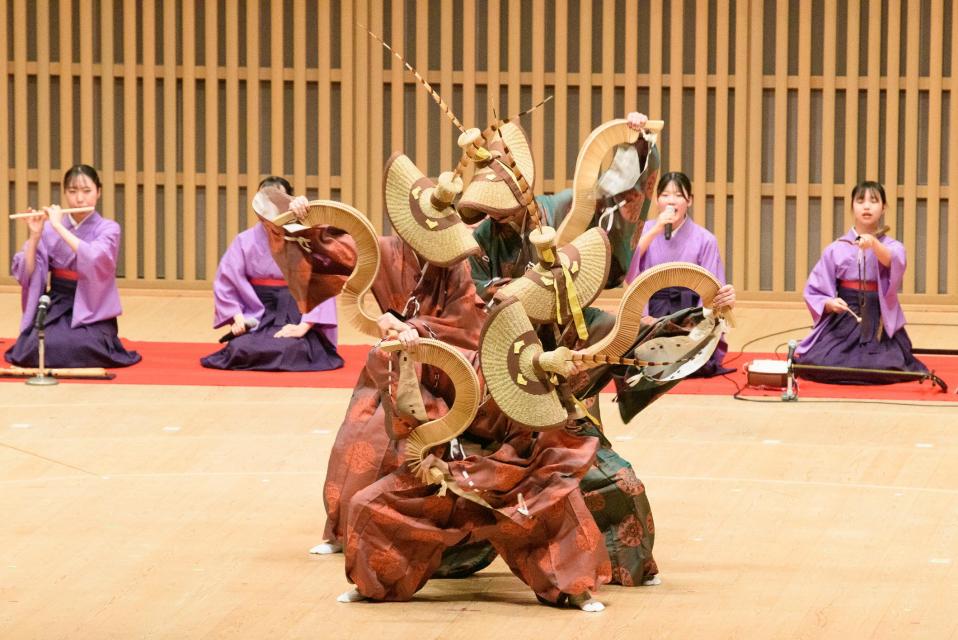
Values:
[(78, 170), (869, 186), (678, 179), (277, 181)]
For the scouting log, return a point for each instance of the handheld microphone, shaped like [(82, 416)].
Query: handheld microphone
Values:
[(251, 323), (668, 225), (42, 306)]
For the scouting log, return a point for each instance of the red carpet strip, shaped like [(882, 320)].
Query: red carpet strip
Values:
[(178, 363)]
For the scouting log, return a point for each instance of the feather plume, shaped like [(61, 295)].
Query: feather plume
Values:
[(432, 92)]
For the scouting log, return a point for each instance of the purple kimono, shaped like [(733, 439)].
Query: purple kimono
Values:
[(838, 339), (689, 243), (80, 327), (249, 281)]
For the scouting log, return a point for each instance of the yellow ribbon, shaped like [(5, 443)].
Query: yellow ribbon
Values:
[(575, 308), (592, 419)]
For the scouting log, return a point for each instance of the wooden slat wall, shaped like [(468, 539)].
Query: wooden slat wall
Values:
[(190, 100), (7, 226)]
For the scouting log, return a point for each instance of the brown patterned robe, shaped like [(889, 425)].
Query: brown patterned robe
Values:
[(399, 528), (449, 310)]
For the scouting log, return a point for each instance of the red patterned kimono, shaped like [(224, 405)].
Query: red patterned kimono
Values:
[(449, 310), (536, 518)]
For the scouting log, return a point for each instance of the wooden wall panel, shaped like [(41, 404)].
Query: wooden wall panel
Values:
[(952, 170), (211, 88), (19, 131), (6, 226), (184, 105), (908, 233)]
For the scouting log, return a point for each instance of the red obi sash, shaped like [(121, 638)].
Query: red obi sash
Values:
[(267, 282), (868, 285), (65, 274)]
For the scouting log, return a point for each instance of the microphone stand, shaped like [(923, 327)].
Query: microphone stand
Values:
[(791, 388), (41, 379)]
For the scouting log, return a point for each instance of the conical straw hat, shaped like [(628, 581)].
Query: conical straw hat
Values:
[(588, 259), (493, 189), (508, 349), (594, 150), (420, 212)]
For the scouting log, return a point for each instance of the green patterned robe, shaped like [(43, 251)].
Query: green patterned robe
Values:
[(613, 493)]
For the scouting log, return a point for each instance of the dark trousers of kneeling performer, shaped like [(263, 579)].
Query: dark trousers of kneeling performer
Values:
[(845, 342), (87, 345), (259, 350)]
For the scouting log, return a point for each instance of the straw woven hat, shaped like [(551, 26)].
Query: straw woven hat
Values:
[(588, 259), (588, 185), (493, 189), (421, 212), (508, 349), (455, 421), (345, 271)]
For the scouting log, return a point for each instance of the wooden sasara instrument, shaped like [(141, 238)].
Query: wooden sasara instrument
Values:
[(881, 231), (41, 212)]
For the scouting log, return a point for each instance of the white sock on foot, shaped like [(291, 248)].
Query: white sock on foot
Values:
[(350, 596), (586, 602), (326, 548), (652, 581), (592, 606)]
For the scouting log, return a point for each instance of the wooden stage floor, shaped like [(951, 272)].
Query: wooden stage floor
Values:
[(187, 512)]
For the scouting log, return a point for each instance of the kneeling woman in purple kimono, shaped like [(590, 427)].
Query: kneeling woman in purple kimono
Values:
[(252, 298), (852, 294), (78, 252), (673, 236)]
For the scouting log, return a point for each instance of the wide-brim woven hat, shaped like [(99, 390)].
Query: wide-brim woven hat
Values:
[(494, 189), (348, 264), (628, 319), (587, 183), (587, 258), (508, 349), (437, 234), (465, 381)]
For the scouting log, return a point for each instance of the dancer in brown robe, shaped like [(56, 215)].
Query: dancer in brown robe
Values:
[(448, 310), (425, 289)]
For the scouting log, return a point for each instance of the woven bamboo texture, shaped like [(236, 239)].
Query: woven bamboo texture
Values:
[(443, 429), (352, 301), (636, 297), (516, 388), (596, 148), (589, 270), (442, 245)]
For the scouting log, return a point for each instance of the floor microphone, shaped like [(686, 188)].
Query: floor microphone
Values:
[(791, 389), (42, 306)]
